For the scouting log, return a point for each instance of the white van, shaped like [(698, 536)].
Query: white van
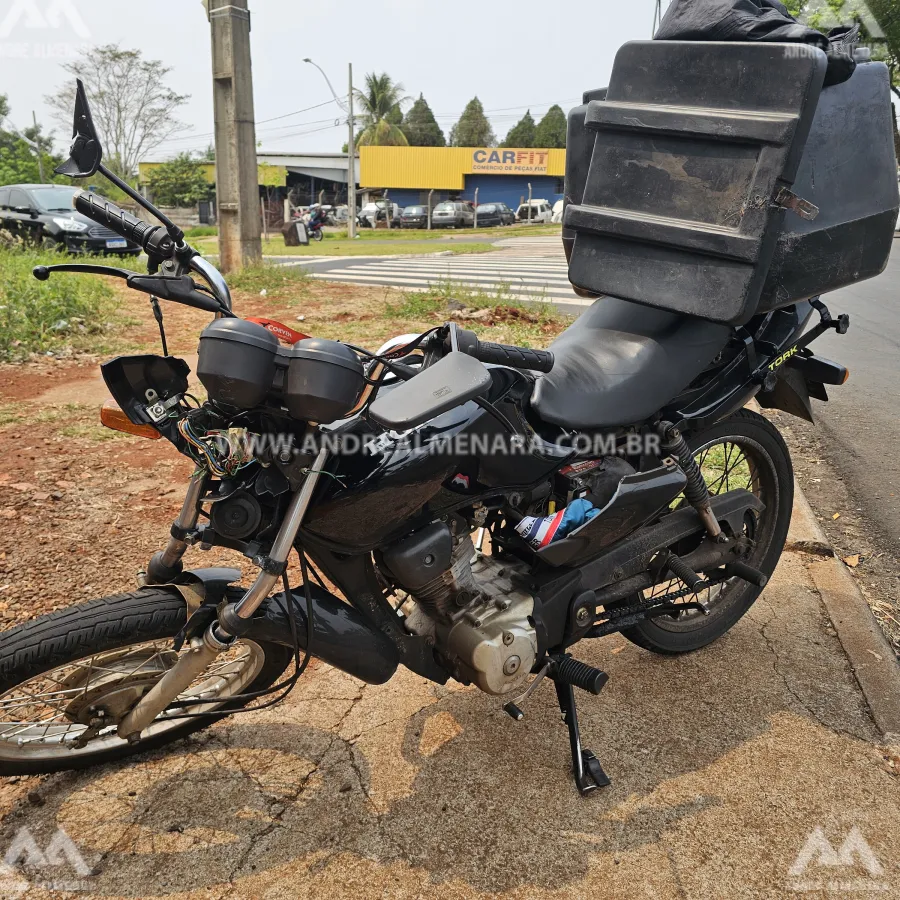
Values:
[(540, 211)]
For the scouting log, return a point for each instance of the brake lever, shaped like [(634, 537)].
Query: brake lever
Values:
[(178, 288), (42, 273)]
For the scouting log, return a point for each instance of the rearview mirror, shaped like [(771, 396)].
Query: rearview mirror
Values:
[(85, 153)]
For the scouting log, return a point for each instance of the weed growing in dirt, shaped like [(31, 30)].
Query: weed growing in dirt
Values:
[(274, 280), (44, 315), (495, 314)]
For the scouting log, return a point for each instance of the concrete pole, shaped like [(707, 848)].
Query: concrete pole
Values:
[(475, 223), (387, 211), (351, 166), (237, 181), (430, 195), (529, 202)]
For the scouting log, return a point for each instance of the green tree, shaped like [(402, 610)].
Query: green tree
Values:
[(551, 130), (18, 160), (132, 107), (522, 133), (880, 30), (473, 128), (421, 127), (179, 182), (381, 104)]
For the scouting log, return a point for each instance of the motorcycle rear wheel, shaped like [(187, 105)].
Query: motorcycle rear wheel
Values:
[(743, 451), (63, 675)]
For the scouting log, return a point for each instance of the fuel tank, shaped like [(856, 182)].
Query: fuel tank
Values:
[(397, 482)]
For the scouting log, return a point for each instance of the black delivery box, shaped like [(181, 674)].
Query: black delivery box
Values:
[(724, 181)]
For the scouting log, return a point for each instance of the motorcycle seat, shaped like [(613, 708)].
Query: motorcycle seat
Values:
[(621, 362)]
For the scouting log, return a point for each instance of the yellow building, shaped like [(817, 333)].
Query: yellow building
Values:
[(499, 174)]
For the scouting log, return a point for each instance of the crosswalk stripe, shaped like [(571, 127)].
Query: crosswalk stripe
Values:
[(526, 268), (488, 267), (374, 274), (524, 291), (496, 274)]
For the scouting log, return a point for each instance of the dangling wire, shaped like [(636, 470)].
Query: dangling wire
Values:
[(157, 314), (285, 687)]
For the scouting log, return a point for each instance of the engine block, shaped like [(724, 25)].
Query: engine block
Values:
[(488, 637)]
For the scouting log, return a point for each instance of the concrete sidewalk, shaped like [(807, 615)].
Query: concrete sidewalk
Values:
[(750, 769)]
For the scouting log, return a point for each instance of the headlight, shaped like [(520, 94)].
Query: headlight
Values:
[(71, 225)]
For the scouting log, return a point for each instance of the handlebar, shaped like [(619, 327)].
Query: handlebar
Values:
[(504, 354), (152, 238)]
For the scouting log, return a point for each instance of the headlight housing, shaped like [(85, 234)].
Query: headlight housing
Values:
[(67, 224)]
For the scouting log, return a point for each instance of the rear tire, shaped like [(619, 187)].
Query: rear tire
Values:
[(771, 478), (50, 649)]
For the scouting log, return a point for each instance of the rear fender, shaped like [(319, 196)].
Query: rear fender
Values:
[(801, 377)]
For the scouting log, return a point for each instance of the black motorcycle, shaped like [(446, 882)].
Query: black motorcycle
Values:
[(423, 489)]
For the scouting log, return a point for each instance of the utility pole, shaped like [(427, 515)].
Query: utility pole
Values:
[(351, 167), (237, 181), (38, 151)]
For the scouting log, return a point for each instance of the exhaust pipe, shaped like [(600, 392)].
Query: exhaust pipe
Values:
[(342, 636)]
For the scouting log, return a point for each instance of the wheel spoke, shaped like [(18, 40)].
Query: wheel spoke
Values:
[(49, 710)]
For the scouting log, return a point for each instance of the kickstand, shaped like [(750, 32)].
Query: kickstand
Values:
[(586, 769)]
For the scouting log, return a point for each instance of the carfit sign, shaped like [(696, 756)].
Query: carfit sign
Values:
[(511, 162)]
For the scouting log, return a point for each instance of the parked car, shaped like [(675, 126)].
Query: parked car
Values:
[(414, 217), (558, 209), (453, 214), (42, 214), (375, 212), (339, 215), (495, 214), (540, 212)]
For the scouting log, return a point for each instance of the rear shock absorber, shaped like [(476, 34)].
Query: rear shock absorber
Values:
[(696, 491)]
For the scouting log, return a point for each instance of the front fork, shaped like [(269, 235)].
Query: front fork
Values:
[(232, 620)]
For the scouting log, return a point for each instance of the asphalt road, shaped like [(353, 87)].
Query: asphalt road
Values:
[(862, 417)]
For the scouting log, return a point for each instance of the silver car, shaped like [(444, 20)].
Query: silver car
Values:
[(453, 214)]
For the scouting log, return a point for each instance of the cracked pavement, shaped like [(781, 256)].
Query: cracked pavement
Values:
[(723, 763)]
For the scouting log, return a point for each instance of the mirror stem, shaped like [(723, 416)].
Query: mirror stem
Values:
[(174, 231)]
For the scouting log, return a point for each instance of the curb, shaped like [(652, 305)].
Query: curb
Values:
[(871, 656)]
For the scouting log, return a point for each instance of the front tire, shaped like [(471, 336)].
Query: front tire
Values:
[(61, 671), (743, 451)]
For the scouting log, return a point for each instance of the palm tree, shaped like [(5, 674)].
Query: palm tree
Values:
[(380, 103)]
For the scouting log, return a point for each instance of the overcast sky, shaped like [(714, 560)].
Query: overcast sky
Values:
[(512, 55)]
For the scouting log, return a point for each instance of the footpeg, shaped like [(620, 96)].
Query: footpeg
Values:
[(747, 573), (683, 572), (572, 671)]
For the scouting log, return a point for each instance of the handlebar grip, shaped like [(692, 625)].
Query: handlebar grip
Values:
[(514, 357), (130, 227)]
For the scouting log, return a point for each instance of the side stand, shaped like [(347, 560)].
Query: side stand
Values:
[(586, 769)]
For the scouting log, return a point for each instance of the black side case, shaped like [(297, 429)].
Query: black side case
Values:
[(693, 144)]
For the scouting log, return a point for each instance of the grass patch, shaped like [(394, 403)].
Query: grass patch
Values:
[(37, 316), (10, 414), (274, 280), (70, 420), (371, 248), (201, 231)]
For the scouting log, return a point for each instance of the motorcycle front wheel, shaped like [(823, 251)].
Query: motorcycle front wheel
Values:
[(67, 678), (744, 451)]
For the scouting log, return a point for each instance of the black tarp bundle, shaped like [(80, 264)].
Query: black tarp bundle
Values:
[(750, 20)]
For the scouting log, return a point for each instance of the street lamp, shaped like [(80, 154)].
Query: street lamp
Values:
[(351, 148)]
